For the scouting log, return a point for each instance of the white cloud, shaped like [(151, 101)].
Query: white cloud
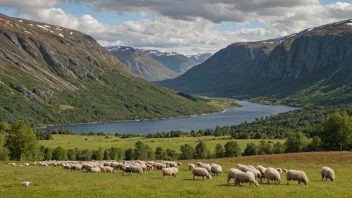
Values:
[(190, 30)]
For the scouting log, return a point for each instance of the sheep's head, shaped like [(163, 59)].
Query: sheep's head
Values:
[(209, 176), (305, 181)]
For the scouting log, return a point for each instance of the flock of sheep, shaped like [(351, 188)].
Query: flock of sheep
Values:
[(240, 174)]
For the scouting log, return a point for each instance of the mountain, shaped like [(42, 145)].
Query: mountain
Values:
[(141, 64), (311, 67), (200, 58), (174, 61), (53, 75)]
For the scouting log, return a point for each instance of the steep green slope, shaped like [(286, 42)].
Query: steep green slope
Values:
[(141, 64), (53, 75), (311, 67)]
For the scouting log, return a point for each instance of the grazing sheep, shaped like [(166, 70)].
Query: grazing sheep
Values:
[(327, 173), (216, 170), (231, 174), (279, 170), (298, 175), (170, 171), (284, 170), (201, 172), (250, 166), (12, 164), (26, 164), (26, 183), (133, 169), (245, 168), (179, 164), (272, 174), (94, 170), (107, 169), (203, 165), (247, 177), (76, 167), (191, 166), (261, 169)]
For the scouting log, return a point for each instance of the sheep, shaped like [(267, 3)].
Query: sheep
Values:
[(284, 170), (327, 173), (107, 169), (76, 167), (179, 164), (26, 183), (246, 177), (133, 169), (298, 175), (12, 164), (94, 170), (231, 174), (203, 165), (245, 168), (250, 166), (279, 170), (272, 174), (191, 166), (261, 169), (216, 170), (201, 172), (170, 171), (26, 164)]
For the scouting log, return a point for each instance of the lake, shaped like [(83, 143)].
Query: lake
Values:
[(231, 117)]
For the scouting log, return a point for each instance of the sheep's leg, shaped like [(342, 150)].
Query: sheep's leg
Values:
[(203, 178), (322, 177), (193, 177), (228, 181), (288, 182)]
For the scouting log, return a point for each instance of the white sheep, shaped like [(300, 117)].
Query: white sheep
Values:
[(191, 166), (231, 174), (272, 174), (203, 165), (201, 172), (107, 169), (284, 170), (76, 167), (327, 173), (26, 164), (216, 170), (245, 168), (179, 163), (94, 170), (279, 170), (26, 183), (170, 171), (247, 177), (261, 169), (297, 175)]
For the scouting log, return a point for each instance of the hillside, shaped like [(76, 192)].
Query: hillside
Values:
[(311, 67), (53, 75), (174, 61), (200, 58), (141, 64)]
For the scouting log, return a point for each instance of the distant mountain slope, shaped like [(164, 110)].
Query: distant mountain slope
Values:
[(200, 58), (311, 67), (53, 75), (174, 61), (141, 64)]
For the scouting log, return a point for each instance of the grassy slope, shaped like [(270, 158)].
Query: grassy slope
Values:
[(93, 142), (56, 182)]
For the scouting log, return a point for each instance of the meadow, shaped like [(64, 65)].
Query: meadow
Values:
[(57, 182), (94, 142)]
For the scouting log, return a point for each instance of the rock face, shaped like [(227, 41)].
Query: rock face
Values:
[(44, 67), (311, 67), (200, 58), (141, 64), (174, 61)]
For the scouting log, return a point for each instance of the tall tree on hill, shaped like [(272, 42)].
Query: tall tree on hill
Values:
[(337, 132), (232, 149), (202, 151)]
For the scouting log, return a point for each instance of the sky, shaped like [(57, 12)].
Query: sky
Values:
[(184, 26)]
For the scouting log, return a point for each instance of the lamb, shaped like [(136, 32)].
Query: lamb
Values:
[(272, 174), (170, 172), (261, 169), (216, 170), (231, 174), (327, 173), (246, 177), (191, 166), (201, 172), (298, 175)]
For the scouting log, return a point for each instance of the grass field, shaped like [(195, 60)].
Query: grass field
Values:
[(93, 142), (56, 182)]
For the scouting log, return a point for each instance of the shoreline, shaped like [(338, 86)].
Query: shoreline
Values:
[(121, 121)]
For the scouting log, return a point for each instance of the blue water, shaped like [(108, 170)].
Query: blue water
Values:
[(248, 113)]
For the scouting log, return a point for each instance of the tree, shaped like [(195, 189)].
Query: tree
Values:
[(129, 154), (316, 144), (278, 148), (71, 154), (160, 154), (232, 149), (59, 154), (296, 142), (202, 151), (219, 151), (171, 154), (21, 142), (48, 154), (86, 155), (337, 132), (187, 151), (251, 149), (99, 154), (264, 148), (142, 151), (106, 154), (4, 153)]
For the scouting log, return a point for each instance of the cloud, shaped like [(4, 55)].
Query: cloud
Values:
[(191, 29)]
